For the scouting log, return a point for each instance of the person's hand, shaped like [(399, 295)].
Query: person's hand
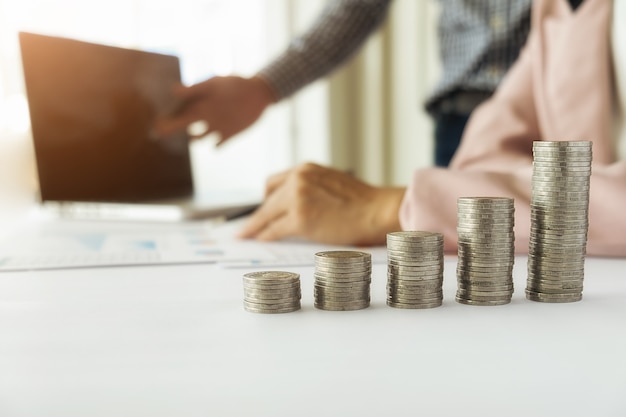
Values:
[(327, 206), (227, 105)]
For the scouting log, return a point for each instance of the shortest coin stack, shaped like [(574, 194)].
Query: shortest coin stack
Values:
[(271, 292), (342, 280), (414, 269)]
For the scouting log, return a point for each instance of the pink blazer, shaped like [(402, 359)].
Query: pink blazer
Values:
[(561, 88)]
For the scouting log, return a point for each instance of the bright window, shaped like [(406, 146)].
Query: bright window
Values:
[(211, 37)]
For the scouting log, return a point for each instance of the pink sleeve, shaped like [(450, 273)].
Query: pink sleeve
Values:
[(495, 159)]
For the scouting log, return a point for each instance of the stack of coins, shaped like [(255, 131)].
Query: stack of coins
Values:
[(342, 280), (486, 249), (414, 269), (271, 292), (559, 221)]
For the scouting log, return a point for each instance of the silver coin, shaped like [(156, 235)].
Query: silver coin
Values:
[(270, 307), (487, 236), (414, 280), (401, 263), (483, 276), (561, 162), (259, 309), (562, 204), (343, 265), (560, 182), (485, 200), (550, 273), (364, 270), (568, 169), (272, 293), (473, 276), (342, 306), (571, 262), (486, 271), (555, 186), (415, 306), (499, 279), (549, 298), (564, 284), (415, 261), (555, 275), (402, 269), (341, 297), (485, 300), (426, 249), (414, 295), (552, 291), (398, 287), (415, 274), (549, 219), (414, 245), (413, 300), (487, 257), (342, 273), (574, 237), (482, 303), (342, 284), (552, 268), (471, 286), (555, 283), (557, 191), (543, 161), (343, 256), (480, 294), (475, 221), (496, 246), (322, 287), (487, 284), (269, 287), (415, 235), (562, 149), (471, 223), (424, 292), (271, 275), (552, 248), (485, 212)]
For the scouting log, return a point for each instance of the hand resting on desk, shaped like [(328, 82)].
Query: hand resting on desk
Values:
[(326, 206)]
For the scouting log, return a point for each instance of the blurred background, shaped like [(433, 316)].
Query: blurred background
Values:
[(366, 118)]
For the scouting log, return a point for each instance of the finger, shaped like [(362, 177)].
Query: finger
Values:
[(275, 181), (269, 211), (186, 93), (280, 228), (226, 134), (199, 129), (166, 127)]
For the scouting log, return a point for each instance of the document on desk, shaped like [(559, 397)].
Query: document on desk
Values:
[(63, 244)]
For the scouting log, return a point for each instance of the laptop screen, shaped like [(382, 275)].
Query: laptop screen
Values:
[(92, 108)]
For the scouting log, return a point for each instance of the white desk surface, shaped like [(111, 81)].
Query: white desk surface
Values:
[(176, 341)]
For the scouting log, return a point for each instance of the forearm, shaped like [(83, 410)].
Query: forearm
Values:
[(340, 30)]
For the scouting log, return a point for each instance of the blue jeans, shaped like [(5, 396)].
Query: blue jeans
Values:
[(448, 132)]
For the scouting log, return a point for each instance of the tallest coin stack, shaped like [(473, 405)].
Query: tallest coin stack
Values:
[(559, 221)]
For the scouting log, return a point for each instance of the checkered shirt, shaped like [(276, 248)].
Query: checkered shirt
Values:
[(478, 42)]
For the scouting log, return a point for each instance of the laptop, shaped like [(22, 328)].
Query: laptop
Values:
[(92, 110)]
